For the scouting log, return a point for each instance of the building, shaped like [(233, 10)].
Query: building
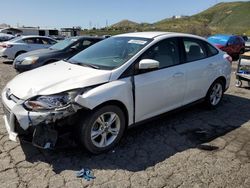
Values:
[(30, 31), (69, 32)]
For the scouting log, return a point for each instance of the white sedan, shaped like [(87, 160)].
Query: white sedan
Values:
[(17, 46), (112, 85)]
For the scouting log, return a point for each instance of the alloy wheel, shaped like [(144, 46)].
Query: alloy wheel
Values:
[(216, 94), (105, 129)]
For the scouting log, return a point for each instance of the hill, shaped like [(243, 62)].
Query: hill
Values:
[(230, 18), (221, 18), (125, 24)]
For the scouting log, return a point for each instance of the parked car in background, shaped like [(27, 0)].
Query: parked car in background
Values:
[(17, 46), (232, 44), (247, 44), (112, 85), (61, 50), (6, 37)]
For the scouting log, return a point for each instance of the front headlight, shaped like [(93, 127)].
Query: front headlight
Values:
[(29, 60), (51, 102)]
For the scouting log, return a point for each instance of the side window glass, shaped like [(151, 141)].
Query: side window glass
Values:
[(211, 50), (38, 41), (86, 43), (194, 50), (51, 41), (29, 40), (45, 41), (166, 52), (77, 45)]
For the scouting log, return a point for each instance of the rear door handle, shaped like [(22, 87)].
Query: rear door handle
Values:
[(178, 74)]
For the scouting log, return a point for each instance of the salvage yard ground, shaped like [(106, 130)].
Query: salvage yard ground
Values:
[(194, 147)]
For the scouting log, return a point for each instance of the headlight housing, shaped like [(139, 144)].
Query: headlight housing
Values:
[(29, 60), (51, 102)]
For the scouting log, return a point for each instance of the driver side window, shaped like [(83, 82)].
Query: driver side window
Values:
[(166, 52)]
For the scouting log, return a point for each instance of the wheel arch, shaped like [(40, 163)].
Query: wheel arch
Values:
[(223, 80), (20, 52), (120, 104)]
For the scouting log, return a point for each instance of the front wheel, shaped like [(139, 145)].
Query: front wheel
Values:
[(102, 129), (215, 94)]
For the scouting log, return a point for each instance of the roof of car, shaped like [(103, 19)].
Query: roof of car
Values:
[(156, 34), (86, 37), (144, 34), (30, 36)]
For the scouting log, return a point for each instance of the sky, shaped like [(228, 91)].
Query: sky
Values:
[(95, 13)]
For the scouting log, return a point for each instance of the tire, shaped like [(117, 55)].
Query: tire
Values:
[(96, 124), (235, 57), (19, 53), (238, 83), (242, 51), (215, 94)]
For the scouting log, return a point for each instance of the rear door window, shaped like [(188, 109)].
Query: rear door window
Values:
[(194, 49), (30, 40)]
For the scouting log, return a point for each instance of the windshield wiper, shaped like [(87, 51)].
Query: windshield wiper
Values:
[(89, 65), (81, 64)]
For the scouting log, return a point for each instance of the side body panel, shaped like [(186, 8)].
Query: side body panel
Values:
[(119, 90)]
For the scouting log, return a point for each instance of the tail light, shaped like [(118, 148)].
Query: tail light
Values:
[(228, 58), (4, 45)]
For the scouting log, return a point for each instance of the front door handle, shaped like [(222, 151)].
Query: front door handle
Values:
[(178, 74)]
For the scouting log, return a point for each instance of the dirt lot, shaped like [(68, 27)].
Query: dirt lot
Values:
[(194, 147)]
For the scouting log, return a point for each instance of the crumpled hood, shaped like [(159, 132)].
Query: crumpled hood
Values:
[(55, 78)]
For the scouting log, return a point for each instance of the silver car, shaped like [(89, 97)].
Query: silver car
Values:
[(17, 46)]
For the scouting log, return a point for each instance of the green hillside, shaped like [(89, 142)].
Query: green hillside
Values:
[(125, 24), (222, 18), (231, 18)]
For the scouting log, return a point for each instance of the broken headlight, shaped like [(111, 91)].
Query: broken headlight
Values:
[(50, 102)]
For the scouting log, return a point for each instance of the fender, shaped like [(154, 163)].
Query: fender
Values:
[(118, 90)]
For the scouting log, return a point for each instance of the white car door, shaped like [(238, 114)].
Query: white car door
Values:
[(161, 90), (200, 69)]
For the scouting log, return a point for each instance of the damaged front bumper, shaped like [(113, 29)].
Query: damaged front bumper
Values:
[(19, 121)]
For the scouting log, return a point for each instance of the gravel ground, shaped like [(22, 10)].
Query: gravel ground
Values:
[(194, 147)]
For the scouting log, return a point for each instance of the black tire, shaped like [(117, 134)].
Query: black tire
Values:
[(19, 53), (213, 104), (87, 124), (238, 83), (242, 51), (235, 57)]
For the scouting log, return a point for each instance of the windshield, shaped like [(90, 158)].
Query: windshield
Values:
[(63, 44), (222, 40), (110, 53)]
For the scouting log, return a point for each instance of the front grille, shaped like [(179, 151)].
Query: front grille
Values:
[(6, 112)]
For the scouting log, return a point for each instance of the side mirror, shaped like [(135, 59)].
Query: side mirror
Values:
[(147, 64)]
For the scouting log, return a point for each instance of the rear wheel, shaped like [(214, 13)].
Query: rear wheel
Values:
[(102, 129), (238, 83), (215, 94)]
